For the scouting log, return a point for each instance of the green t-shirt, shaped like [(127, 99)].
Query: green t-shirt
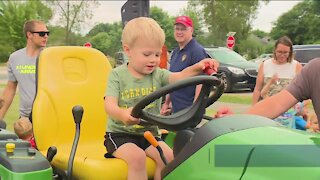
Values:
[(130, 90)]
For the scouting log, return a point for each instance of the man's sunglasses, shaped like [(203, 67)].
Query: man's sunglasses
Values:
[(42, 33)]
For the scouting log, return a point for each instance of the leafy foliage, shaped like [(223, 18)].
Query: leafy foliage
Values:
[(228, 16), (13, 15), (112, 32), (213, 19), (301, 23), (110, 35), (251, 47), (166, 22), (259, 33), (101, 41)]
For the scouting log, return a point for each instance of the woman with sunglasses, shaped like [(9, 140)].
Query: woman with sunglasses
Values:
[(22, 68)]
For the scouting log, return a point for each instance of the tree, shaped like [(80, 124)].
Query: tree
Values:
[(102, 42), (113, 31), (251, 47), (166, 22), (73, 14), (260, 34), (13, 15), (195, 13), (222, 17), (316, 5), (111, 35), (301, 23)]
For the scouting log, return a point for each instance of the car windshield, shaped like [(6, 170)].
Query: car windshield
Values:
[(225, 55), (305, 55)]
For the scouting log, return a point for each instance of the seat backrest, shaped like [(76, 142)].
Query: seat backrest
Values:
[(69, 76)]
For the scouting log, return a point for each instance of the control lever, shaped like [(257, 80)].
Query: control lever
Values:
[(52, 151), (150, 138), (77, 112)]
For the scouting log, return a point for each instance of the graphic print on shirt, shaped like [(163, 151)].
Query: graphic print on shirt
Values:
[(26, 69)]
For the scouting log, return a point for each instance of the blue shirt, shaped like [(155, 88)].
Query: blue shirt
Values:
[(191, 54), (300, 123)]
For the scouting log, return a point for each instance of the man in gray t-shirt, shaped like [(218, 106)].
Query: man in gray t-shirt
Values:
[(21, 69), (306, 85)]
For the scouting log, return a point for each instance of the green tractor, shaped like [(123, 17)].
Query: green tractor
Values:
[(235, 146), (18, 160)]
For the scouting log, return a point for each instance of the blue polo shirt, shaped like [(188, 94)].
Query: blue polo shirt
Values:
[(191, 54)]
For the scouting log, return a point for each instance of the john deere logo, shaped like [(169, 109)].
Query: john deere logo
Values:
[(184, 57)]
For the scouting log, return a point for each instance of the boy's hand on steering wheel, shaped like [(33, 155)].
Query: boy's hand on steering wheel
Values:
[(127, 119), (208, 62), (166, 109)]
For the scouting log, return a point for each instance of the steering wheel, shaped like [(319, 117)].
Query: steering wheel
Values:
[(189, 117)]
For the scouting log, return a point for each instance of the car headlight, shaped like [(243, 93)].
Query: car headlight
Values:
[(236, 70)]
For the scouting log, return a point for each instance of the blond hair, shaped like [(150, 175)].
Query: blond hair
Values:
[(143, 28), (30, 25), (23, 128)]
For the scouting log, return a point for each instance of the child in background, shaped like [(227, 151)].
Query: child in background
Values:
[(142, 41), (23, 129), (313, 122)]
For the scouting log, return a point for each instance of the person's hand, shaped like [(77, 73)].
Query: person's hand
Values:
[(3, 124), (166, 109), (127, 119), (213, 64), (223, 111), (274, 78)]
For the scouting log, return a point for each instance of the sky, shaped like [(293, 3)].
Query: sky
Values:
[(109, 11)]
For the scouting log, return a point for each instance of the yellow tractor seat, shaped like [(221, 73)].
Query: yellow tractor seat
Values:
[(68, 76)]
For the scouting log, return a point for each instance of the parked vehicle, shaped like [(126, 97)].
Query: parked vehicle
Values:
[(262, 58), (304, 53), (238, 72), (120, 58)]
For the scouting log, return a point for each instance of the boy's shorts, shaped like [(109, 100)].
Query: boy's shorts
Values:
[(114, 140)]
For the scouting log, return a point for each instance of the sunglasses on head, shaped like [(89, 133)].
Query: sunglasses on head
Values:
[(42, 33)]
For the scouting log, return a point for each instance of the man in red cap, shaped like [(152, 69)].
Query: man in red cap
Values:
[(187, 54)]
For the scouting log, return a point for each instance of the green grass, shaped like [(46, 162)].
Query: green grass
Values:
[(231, 98), (13, 113)]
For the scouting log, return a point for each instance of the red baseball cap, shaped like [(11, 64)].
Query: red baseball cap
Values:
[(185, 20)]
